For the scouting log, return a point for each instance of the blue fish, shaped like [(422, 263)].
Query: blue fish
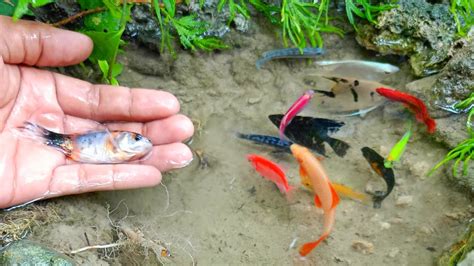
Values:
[(267, 140)]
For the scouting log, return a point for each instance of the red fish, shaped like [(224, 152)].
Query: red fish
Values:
[(414, 104), (270, 171)]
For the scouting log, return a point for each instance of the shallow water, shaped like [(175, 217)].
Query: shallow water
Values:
[(227, 214)]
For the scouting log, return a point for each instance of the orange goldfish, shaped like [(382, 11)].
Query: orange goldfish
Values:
[(326, 196), (270, 171)]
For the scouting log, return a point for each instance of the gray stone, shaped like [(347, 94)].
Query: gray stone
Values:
[(425, 32), (26, 252)]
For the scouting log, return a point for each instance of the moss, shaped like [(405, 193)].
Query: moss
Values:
[(424, 32), (459, 250)]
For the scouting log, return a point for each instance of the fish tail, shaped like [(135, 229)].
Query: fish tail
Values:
[(61, 142), (430, 124), (242, 135), (306, 248), (340, 147)]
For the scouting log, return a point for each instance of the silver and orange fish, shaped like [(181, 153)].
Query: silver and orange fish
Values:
[(97, 147)]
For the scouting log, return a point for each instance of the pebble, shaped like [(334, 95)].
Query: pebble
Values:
[(393, 252), (420, 169), (427, 229), (254, 100), (363, 246), (404, 201), (385, 225)]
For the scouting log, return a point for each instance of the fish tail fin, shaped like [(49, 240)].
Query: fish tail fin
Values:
[(241, 135), (340, 147), (431, 125), (61, 142), (306, 248), (350, 193)]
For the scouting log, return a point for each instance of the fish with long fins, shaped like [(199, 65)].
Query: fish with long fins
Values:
[(398, 149), (325, 197), (413, 104)]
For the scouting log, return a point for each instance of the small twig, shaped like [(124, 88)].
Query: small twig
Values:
[(78, 15), (96, 247), (101, 9)]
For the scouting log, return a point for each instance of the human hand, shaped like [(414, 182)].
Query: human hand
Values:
[(29, 170)]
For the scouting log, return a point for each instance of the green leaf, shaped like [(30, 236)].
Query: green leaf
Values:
[(104, 67), (40, 3), (102, 22), (106, 44), (90, 4), (7, 7), (117, 69)]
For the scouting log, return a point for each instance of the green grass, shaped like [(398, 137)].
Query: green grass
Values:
[(463, 12), (463, 153)]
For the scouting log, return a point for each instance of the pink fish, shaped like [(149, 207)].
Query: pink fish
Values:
[(296, 108)]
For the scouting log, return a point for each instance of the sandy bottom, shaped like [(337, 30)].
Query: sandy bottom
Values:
[(227, 214)]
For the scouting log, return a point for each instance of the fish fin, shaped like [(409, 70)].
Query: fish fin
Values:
[(303, 172), (306, 248), (60, 142), (317, 201), (335, 197), (430, 124), (350, 193), (340, 147), (326, 93), (281, 187)]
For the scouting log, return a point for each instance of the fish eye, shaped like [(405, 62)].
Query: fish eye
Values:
[(138, 137)]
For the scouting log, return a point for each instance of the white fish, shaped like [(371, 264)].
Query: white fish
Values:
[(377, 66)]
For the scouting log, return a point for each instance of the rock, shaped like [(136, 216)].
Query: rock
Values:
[(25, 252), (404, 201), (425, 32), (468, 260), (393, 252), (385, 225), (254, 100), (460, 251), (363, 246), (455, 83)]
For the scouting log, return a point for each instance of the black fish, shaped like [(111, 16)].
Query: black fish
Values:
[(267, 140), (376, 162), (312, 132)]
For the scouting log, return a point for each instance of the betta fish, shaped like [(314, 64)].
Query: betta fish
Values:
[(96, 147), (413, 104), (312, 132)]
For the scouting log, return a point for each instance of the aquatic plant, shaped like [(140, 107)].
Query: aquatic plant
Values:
[(463, 153), (463, 12)]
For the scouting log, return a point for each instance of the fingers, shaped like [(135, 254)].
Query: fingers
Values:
[(33, 43), (105, 103), (81, 178), (170, 156), (176, 128)]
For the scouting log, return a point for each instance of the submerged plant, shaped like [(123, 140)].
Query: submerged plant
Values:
[(463, 153), (463, 9)]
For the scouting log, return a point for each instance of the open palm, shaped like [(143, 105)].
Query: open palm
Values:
[(30, 170)]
